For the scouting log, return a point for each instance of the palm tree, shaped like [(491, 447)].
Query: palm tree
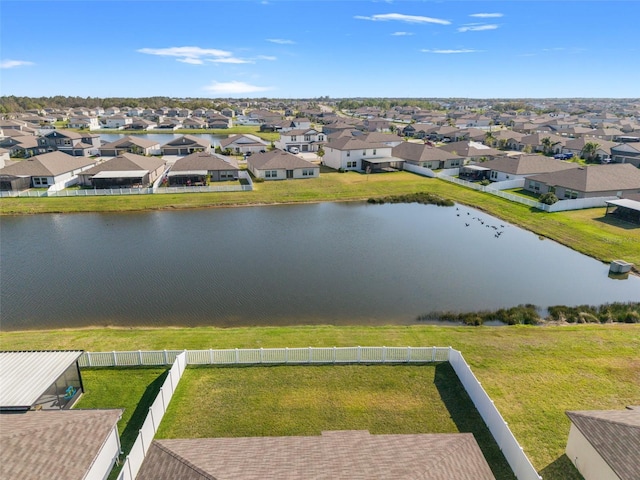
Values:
[(589, 151), (547, 145), (489, 139)]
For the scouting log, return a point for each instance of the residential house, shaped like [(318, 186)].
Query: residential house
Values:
[(512, 168), (118, 121), (604, 444), (141, 124), (244, 144), (111, 111), (280, 165), (626, 153), (305, 140), (297, 124), (379, 137), (614, 180), (219, 121), (130, 144), (55, 170), (423, 155), (194, 123), (21, 146), (471, 151), (418, 130), (186, 145), (200, 168), (337, 454), (602, 153), (536, 143), (351, 153), (84, 122), (127, 170), (376, 125), (70, 142), (475, 134)]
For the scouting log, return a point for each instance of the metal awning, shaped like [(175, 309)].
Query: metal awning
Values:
[(182, 173), (476, 167), (626, 203), (382, 160), (25, 376), (121, 174)]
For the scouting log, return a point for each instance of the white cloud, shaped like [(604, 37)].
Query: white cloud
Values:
[(477, 28), (233, 88), (403, 18), (233, 60), (486, 15), (191, 55), (281, 41), (401, 34), (15, 63), (266, 57), (461, 50)]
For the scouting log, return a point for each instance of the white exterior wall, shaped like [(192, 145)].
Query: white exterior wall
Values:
[(337, 159), (106, 458), (588, 462), (503, 177), (297, 173)]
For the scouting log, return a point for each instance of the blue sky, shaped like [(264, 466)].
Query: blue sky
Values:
[(312, 48)]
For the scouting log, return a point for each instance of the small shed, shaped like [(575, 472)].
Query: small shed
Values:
[(34, 380), (625, 209)]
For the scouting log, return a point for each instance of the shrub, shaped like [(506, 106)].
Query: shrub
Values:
[(548, 198), (485, 182)]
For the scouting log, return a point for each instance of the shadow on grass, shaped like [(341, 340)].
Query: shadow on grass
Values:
[(468, 420), (617, 222), (561, 469)]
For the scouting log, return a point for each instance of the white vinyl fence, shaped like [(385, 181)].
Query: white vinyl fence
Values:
[(134, 460), (424, 171), (503, 436)]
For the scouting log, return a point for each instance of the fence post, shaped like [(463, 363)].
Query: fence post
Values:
[(286, 354), (261, 355), (89, 357), (166, 360), (408, 354), (211, 356), (140, 356), (164, 407), (237, 356), (115, 359), (433, 353), (309, 361), (384, 354), (334, 354), (359, 355), (153, 422)]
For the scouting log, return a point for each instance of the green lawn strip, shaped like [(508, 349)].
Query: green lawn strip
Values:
[(306, 400), (133, 389), (533, 374), (587, 231)]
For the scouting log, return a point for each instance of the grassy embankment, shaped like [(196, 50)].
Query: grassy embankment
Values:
[(587, 231), (533, 374)]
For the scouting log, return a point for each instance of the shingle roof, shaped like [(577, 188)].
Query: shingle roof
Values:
[(594, 178), (356, 455), (187, 140), (528, 164), (47, 164), (352, 143), (130, 140), (127, 162), (41, 445), (467, 148), (243, 139), (420, 152), (203, 161), (615, 435), (277, 159)]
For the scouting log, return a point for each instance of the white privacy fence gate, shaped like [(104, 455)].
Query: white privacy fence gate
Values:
[(513, 452)]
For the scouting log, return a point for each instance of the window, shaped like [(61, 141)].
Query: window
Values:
[(374, 151), (293, 138), (364, 152), (570, 194), (271, 174), (307, 138), (353, 164), (348, 154), (535, 186), (494, 174), (307, 173)]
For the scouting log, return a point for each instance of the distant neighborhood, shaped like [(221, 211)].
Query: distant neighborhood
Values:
[(551, 151)]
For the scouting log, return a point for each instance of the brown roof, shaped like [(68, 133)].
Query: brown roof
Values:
[(615, 435), (528, 164), (126, 162), (594, 178), (245, 140), (53, 444), (130, 140), (468, 148), (47, 164), (188, 140), (352, 143), (277, 159), (420, 152), (203, 161), (356, 455)]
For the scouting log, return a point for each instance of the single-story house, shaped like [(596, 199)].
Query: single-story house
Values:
[(244, 143), (626, 153), (520, 166), (602, 153), (604, 444), (423, 155), (348, 153), (118, 121), (337, 454), (200, 168), (54, 169), (39, 380), (130, 144), (186, 145), (471, 151), (127, 170), (21, 146), (219, 121), (279, 165), (141, 124), (69, 444), (194, 123), (613, 180), (536, 142)]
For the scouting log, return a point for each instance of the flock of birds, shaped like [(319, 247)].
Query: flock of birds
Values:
[(495, 228)]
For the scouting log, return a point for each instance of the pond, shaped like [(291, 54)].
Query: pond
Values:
[(327, 263)]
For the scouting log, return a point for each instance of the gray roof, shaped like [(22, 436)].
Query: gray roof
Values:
[(41, 445), (594, 178), (626, 203), (188, 140), (130, 140), (467, 148), (244, 139), (528, 164), (353, 143), (47, 164), (421, 152), (277, 159), (203, 161), (25, 376), (615, 435), (356, 455), (126, 162)]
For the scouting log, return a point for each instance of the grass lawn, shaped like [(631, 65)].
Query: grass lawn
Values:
[(533, 374), (301, 400), (587, 231), (133, 389)]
